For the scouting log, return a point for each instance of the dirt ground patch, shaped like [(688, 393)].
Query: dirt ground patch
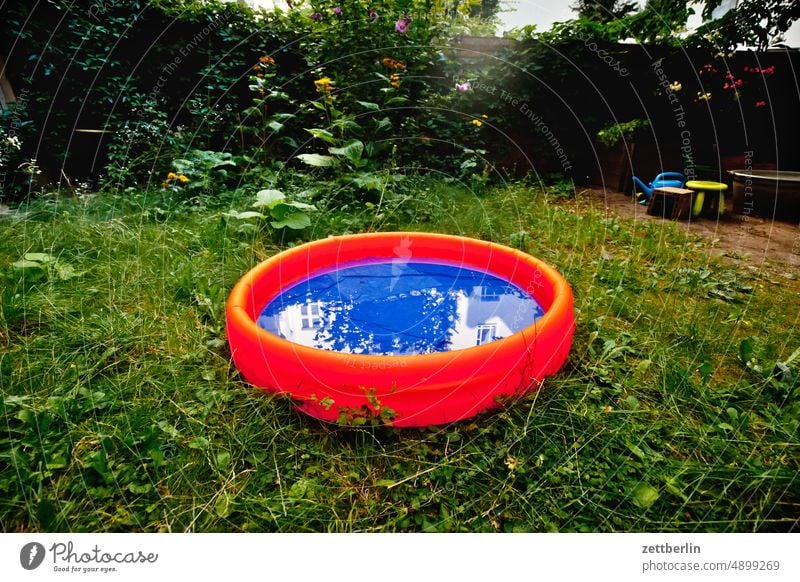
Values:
[(752, 239)]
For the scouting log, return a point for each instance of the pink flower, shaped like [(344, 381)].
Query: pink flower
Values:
[(372, 15), (463, 87), (316, 17), (337, 11), (401, 25), (761, 103)]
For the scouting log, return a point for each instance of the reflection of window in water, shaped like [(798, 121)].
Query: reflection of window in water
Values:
[(490, 294), (486, 333), (309, 315)]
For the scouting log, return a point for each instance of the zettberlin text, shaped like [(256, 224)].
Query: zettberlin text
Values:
[(671, 549)]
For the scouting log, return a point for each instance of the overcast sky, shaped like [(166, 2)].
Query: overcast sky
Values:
[(543, 13)]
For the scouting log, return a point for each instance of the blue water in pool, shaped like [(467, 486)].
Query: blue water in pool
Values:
[(399, 307)]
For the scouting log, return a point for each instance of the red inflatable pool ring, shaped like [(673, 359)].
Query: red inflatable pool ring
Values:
[(420, 390)]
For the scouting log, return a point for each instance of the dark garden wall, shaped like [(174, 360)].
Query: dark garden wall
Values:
[(87, 68), (103, 85), (679, 110)]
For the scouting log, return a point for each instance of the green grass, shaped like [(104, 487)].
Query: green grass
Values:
[(121, 409)]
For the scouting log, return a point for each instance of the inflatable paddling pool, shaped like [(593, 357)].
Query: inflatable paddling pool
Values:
[(411, 329)]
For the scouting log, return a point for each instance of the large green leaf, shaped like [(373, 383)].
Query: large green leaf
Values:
[(268, 198), (26, 264), (247, 214), (301, 205), (347, 125), (316, 160), (352, 150), (39, 257), (644, 495), (396, 101), (294, 220), (322, 134), (383, 124), (369, 105), (282, 116)]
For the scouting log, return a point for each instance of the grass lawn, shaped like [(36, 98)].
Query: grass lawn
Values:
[(677, 411)]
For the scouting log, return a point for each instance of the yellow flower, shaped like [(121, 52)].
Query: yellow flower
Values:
[(676, 86), (395, 80), (183, 179), (172, 176), (477, 122), (485, 116), (324, 85), (704, 96)]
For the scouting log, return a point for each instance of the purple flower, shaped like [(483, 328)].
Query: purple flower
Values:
[(464, 87), (317, 16), (401, 25), (337, 11), (373, 15)]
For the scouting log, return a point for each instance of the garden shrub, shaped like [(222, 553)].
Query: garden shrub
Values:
[(163, 78)]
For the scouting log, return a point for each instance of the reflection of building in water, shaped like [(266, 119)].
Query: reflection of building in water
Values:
[(360, 315), (297, 322), (487, 332), (488, 314), (309, 315)]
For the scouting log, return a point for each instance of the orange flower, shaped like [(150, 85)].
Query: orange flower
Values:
[(266, 60), (395, 80), (390, 63)]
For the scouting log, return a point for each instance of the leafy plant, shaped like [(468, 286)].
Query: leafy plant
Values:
[(259, 120), (200, 172), (17, 170), (39, 266), (616, 133), (142, 146), (280, 212)]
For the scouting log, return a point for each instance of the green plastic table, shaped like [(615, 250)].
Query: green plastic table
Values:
[(703, 186)]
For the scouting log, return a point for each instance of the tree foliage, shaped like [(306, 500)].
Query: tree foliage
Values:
[(752, 23)]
